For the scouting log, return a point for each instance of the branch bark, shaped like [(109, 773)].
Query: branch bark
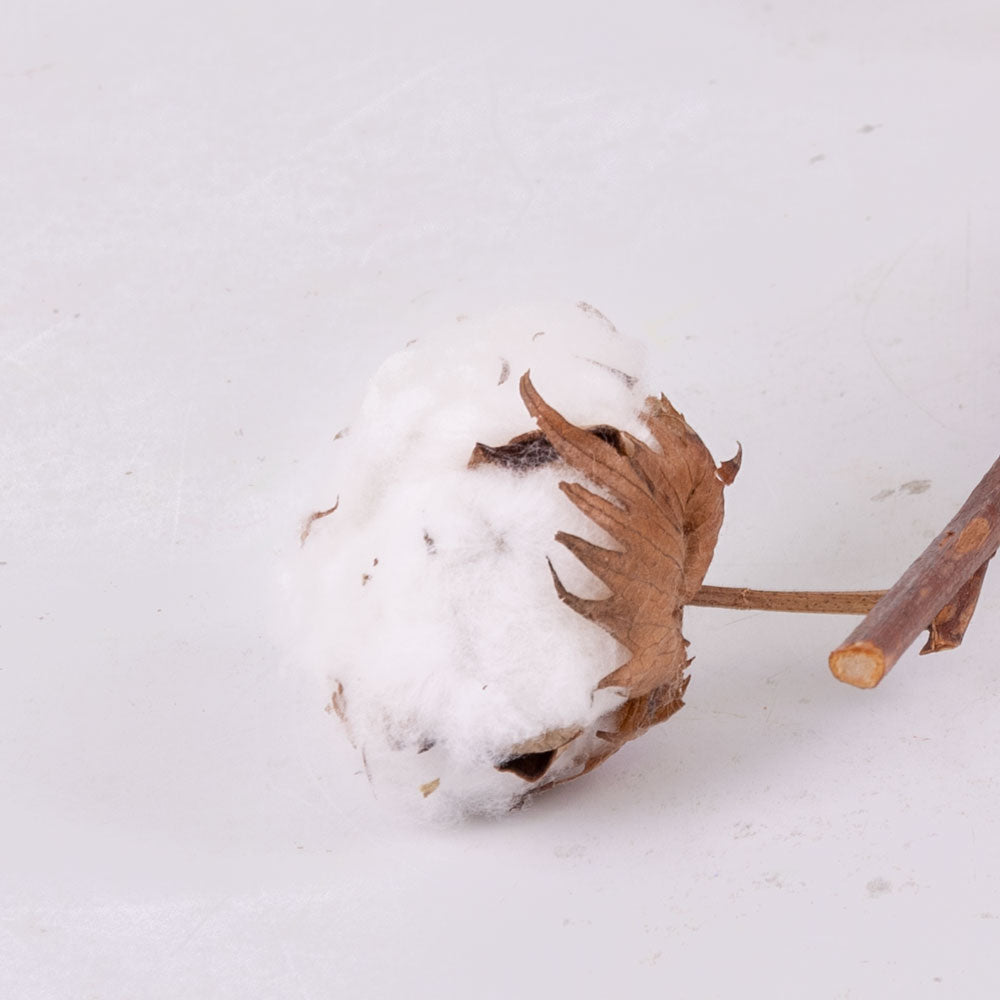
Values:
[(938, 592)]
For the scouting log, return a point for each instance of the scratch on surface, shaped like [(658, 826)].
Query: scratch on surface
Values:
[(872, 298), (376, 103), (179, 485), (294, 969), (968, 256), (529, 189), (739, 620), (400, 88), (14, 356), (290, 964), (29, 72), (317, 784), (194, 929)]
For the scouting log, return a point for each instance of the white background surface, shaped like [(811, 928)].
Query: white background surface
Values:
[(216, 219)]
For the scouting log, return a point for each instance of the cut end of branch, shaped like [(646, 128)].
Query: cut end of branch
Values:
[(859, 663), (941, 587)]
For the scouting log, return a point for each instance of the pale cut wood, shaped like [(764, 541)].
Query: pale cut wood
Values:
[(938, 591)]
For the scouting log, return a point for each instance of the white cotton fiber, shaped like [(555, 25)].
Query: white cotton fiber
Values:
[(428, 601)]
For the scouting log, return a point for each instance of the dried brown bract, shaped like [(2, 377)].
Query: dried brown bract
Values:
[(662, 504)]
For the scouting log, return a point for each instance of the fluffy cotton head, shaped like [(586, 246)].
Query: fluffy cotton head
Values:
[(429, 603)]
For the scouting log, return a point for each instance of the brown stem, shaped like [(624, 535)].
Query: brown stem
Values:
[(938, 591), (825, 602)]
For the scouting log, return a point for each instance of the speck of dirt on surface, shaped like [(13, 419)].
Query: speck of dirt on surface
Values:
[(878, 887)]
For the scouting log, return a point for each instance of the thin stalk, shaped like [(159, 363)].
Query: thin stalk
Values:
[(823, 602)]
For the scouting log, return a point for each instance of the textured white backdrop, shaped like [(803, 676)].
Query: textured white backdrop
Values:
[(217, 218)]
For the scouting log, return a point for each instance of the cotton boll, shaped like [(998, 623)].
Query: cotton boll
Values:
[(427, 596)]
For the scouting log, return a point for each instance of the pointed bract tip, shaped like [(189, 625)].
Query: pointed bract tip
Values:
[(728, 470)]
